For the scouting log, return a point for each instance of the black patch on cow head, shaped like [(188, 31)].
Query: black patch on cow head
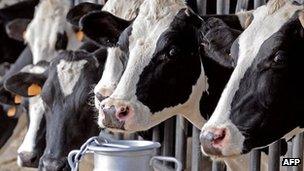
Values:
[(175, 66), (103, 27), (269, 101), (80, 10), (62, 41), (70, 118), (20, 82)]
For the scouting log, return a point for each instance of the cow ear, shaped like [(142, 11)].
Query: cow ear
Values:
[(103, 27), (29, 81), (15, 29), (220, 44), (25, 84), (77, 12)]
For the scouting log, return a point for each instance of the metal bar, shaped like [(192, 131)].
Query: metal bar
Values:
[(196, 151), (258, 3), (181, 139), (274, 156), (255, 161), (297, 151), (218, 166), (241, 5), (289, 153), (168, 142), (156, 137), (222, 6), (201, 7)]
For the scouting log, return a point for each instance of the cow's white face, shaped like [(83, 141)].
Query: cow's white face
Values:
[(159, 34), (245, 110), (49, 31), (33, 145), (116, 60)]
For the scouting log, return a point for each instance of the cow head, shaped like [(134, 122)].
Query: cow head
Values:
[(66, 93), (48, 32), (163, 75), (263, 98), (116, 61)]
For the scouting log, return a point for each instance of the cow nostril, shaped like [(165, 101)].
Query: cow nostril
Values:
[(123, 113), (215, 137)]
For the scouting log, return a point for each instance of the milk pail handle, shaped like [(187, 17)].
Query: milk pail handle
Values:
[(168, 159)]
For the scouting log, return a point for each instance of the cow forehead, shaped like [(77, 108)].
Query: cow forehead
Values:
[(42, 33), (126, 9), (264, 25), (152, 20), (68, 73)]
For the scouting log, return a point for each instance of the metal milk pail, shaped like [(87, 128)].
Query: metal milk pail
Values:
[(122, 155)]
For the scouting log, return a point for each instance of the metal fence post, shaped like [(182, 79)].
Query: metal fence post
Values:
[(196, 150), (241, 5), (168, 141), (201, 7), (297, 151), (181, 140), (258, 3), (255, 161), (274, 156), (222, 6), (156, 137)]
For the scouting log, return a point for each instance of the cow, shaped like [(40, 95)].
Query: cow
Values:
[(262, 101), (67, 90), (126, 10)]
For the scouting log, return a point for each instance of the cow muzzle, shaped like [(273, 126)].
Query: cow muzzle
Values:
[(115, 116), (221, 141), (50, 164), (28, 159)]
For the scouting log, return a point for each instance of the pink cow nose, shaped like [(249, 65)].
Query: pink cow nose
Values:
[(212, 140), (121, 113)]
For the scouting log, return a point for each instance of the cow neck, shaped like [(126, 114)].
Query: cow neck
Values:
[(217, 76)]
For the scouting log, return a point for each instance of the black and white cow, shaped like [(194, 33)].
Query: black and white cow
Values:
[(263, 100), (115, 64), (164, 75), (33, 143), (67, 90)]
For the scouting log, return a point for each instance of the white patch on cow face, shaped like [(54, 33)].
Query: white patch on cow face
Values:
[(113, 70), (262, 27), (34, 69), (6, 3), (48, 22), (68, 74), (36, 111)]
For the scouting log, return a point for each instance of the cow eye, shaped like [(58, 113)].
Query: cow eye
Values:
[(173, 52), (280, 58)]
